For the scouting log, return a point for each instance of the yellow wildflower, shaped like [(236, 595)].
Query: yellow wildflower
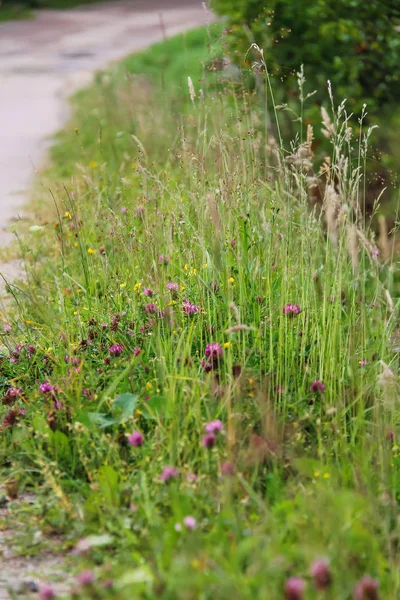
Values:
[(67, 215), (231, 280), (91, 251), (136, 287), (227, 344)]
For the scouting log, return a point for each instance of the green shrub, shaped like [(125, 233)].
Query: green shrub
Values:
[(353, 43)]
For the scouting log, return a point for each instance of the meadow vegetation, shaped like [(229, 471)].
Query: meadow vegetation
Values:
[(200, 375)]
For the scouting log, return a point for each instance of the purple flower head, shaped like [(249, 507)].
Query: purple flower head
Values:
[(206, 366), (151, 308), (214, 351), (191, 477), (46, 388), (227, 469), (85, 578), (116, 350), (136, 351), (317, 386), (291, 310), (83, 546), (164, 260), (14, 392), (7, 328), (209, 440), (104, 325), (294, 588), (214, 426), (362, 362), (57, 404), (173, 287), (190, 523), (46, 592), (148, 292), (189, 308), (321, 573), (136, 439), (168, 473), (124, 210), (366, 589)]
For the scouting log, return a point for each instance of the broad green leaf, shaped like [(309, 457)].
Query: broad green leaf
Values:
[(126, 403)]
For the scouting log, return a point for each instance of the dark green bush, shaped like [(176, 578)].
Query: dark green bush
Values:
[(353, 43)]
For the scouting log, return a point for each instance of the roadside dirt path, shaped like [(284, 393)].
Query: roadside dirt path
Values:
[(42, 62)]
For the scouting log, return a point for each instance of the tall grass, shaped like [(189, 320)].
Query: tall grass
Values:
[(152, 188)]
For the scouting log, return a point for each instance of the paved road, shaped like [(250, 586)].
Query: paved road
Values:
[(43, 59)]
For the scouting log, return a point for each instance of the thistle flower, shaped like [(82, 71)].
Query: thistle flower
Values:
[(148, 292), (116, 349), (168, 473), (136, 439), (214, 351), (190, 523), (209, 440), (294, 588), (321, 573), (366, 589), (317, 386), (85, 578), (291, 310), (214, 426), (46, 592)]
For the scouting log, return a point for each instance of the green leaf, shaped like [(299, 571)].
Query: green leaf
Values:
[(155, 407), (102, 419), (126, 403)]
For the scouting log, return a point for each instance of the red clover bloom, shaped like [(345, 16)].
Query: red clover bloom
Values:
[(214, 426), (85, 578), (151, 308), (46, 592), (321, 573), (116, 349), (148, 292), (46, 388), (189, 308), (317, 386), (136, 439), (190, 523), (173, 287), (294, 588), (291, 310), (366, 589), (209, 440), (214, 351), (227, 469), (168, 473)]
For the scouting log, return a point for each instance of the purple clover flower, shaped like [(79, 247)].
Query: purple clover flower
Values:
[(14, 392), (214, 351), (47, 388), (227, 469), (168, 473), (321, 573), (172, 287), (189, 308), (148, 292), (136, 439), (294, 588), (317, 386), (116, 349), (163, 259), (206, 366), (85, 578), (214, 426), (209, 440), (46, 592), (366, 589), (151, 308), (291, 310), (136, 351), (190, 523)]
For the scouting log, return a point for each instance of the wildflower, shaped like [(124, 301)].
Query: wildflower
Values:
[(46, 388), (85, 578), (191, 477), (148, 292), (13, 392), (321, 573), (214, 426), (168, 473), (294, 588), (67, 215), (189, 308), (231, 280), (136, 287), (46, 592), (227, 345), (291, 310), (7, 328), (227, 469), (366, 589), (317, 386), (214, 351), (91, 251), (362, 363), (172, 287), (151, 308), (136, 439), (178, 527), (124, 210), (206, 366), (164, 260), (116, 349), (209, 440), (136, 351), (190, 523)]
